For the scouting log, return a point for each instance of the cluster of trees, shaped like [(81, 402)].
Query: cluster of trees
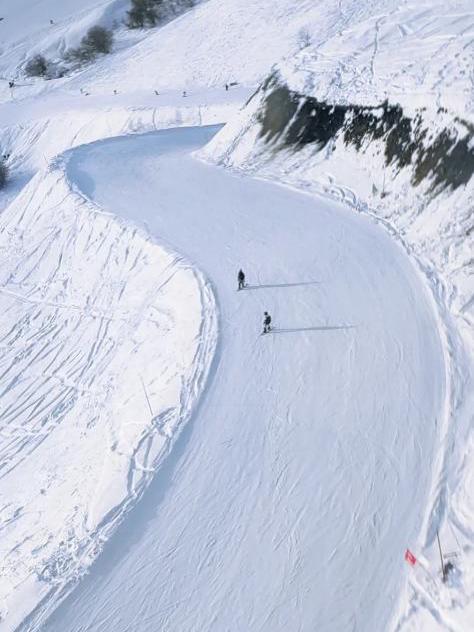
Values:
[(148, 13), (98, 40)]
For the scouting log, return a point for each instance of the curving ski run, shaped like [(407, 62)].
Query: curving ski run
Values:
[(290, 497)]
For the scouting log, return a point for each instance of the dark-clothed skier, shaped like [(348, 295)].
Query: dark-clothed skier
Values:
[(241, 280), (267, 321)]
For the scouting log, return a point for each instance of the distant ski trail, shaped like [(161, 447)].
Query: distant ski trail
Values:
[(289, 500)]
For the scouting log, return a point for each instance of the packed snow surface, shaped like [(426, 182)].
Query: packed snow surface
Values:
[(292, 495)]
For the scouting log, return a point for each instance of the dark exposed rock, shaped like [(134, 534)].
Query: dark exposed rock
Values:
[(293, 120)]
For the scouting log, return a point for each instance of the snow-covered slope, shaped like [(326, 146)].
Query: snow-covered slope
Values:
[(26, 30), (341, 52), (216, 42), (417, 53), (226, 41)]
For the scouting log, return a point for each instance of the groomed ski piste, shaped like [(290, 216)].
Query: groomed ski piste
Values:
[(165, 466)]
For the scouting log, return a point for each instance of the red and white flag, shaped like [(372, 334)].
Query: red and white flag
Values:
[(410, 558)]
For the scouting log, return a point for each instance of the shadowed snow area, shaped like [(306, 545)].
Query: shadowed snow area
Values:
[(289, 500)]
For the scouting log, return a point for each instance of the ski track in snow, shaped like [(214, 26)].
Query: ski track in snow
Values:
[(298, 485)]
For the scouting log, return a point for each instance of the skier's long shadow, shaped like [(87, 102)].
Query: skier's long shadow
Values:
[(261, 287), (322, 328)]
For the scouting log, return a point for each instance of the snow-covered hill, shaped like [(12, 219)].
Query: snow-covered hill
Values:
[(367, 102), (218, 42)]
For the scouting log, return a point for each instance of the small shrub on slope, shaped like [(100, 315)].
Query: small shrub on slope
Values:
[(143, 13), (148, 13), (98, 40), (37, 66)]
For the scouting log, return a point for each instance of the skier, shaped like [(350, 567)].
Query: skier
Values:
[(267, 319), (241, 280)]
